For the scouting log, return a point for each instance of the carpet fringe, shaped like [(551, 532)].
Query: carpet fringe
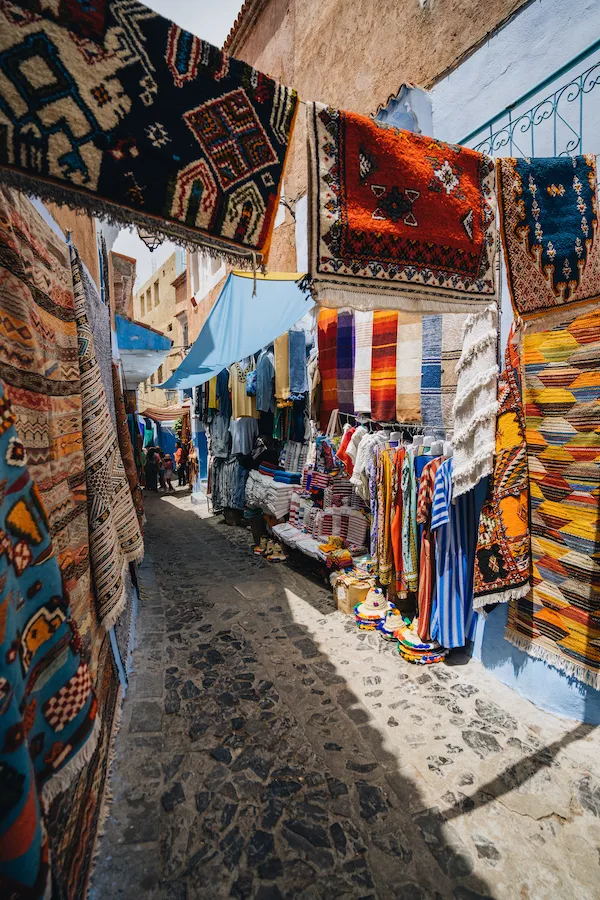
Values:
[(397, 297), (122, 216), (506, 596), (480, 466), (559, 316), (63, 779), (119, 608), (573, 669)]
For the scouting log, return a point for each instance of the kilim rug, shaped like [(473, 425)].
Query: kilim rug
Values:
[(549, 224), (327, 327), (383, 367), (114, 531), (440, 353), (363, 333), (559, 619), (126, 446), (48, 711), (98, 316), (503, 556), (173, 136), (345, 361), (396, 219), (409, 350)]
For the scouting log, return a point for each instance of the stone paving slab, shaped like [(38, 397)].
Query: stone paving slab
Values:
[(271, 750)]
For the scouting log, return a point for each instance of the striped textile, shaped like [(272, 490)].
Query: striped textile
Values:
[(345, 361), (363, 339), (327, 329), (558, 620), (455, 527), (408, 367), (427, 557), (452, 342), (410, 562), (431, 372), (383, 373)]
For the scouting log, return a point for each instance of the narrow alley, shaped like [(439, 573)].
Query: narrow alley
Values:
[(269, 749)]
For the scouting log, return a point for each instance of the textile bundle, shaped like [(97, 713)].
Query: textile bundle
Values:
[(558, 620), (114, 530), (327, 338), (173, 135), (383, 372), (476, 402), (549, 222), (49, 722), (503, 557), (397, 219)]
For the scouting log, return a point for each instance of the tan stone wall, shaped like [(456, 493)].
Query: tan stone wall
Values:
[(355, 55), (161, 317), (197, 316), (83, 235)]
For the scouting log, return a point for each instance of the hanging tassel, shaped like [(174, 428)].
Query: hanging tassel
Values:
[(254, 272)]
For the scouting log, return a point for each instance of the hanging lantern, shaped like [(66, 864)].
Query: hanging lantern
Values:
[(152, 241)]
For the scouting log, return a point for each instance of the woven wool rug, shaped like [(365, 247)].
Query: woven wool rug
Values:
[(363, 334), (397, 220), (442, 340), (383, 366), (558, 620), (98, 316), (549, 226), (49, 721), (345, 361), (114, 531), (174, 136), (503, 556), (327, 328), (409, 357), (126, 446)]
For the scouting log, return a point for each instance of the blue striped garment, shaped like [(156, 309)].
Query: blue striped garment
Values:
[(455, 526), (431, 372)]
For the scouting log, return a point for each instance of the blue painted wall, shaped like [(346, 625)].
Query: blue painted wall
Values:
[(511, 63)]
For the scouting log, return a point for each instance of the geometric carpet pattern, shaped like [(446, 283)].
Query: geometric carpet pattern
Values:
[(560, 618)]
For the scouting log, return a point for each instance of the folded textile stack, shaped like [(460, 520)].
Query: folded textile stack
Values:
[(269, 469), (372, 612), (314, 481), (288, 534), (293, 456), (338, 493), (414, 650), (284, 477), (349, 524), (277, 499), (256, 489), (308, 545), (295, 503)]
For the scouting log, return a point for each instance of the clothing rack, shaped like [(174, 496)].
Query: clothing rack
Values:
[(416, 428)]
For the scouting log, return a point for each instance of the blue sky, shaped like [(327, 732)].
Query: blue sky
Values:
[(211, 21)]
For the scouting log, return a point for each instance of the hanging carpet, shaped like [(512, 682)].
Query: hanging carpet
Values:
[(503, 556), (126, 446), (397, 220), (49, 721), (383, 365), (115, 537), (172, 135), (559, 619), (549, 225), (327, 329)]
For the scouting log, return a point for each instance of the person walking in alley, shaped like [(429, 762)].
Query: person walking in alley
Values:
[(168, 467), (151, 469), (180, 463)]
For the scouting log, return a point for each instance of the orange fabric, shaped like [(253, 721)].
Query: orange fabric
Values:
[(327, 338), (383, 367)]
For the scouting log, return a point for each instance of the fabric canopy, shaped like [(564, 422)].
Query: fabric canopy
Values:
[(240, 324), (142, 349)]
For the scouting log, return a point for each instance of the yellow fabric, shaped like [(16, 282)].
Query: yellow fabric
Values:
[(282, 367), (241, 403), (385, 507), (213, 403)]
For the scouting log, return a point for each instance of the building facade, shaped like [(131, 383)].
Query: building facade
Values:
[(155, 304)]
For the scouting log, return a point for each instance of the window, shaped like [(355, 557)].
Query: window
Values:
[(156, 293), (148, 300), (142, 305), (152, 380), (215, 265), (184, 332), (160, 375), (170, 328)]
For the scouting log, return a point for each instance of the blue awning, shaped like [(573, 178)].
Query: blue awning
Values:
[(142, 349), (240, 324)]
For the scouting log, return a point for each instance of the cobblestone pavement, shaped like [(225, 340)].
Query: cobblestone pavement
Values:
[(270, 750)]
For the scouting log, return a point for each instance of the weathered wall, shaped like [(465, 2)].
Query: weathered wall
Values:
[(198, 315), (161, 317), (354, 56), (83, 235)]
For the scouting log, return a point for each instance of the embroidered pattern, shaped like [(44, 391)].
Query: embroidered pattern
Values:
[(422, 239)]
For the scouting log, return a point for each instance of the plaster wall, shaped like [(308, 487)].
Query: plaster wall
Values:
[(512, 63), (83, 235), (162, 318), (355, 56)]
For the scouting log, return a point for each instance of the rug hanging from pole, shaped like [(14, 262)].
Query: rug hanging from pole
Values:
[(166, 132), (558, 620), (549, 225), (397, 220)]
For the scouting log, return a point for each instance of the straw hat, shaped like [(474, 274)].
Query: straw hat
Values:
[(374, 605)]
